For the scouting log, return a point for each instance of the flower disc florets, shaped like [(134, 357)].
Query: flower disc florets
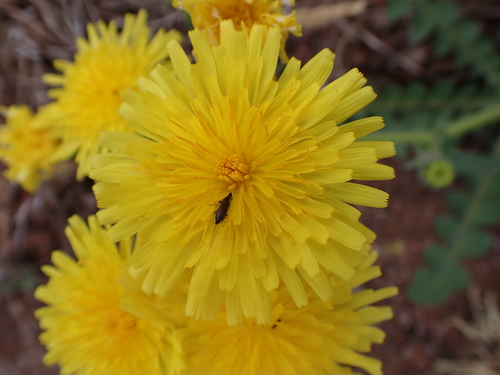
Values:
[(91, 86), (232, 170), (266, 157)]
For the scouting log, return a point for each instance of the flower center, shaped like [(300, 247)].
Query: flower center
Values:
[(232, 169), (120, 324), (238, 11)]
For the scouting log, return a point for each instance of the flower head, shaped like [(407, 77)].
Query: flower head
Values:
[(91, 86), (319, 339), (206, 15), (222, 137), (26, 147), (86, 331)]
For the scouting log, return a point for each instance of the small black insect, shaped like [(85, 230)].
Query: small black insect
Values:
[(221, 212)]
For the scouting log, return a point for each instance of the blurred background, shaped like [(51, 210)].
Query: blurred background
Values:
[(436, 67)]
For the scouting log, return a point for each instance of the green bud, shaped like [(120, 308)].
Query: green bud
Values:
[(439, 174)]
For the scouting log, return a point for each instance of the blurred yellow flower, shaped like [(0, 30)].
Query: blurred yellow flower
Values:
[(206, 15), (322, 338), (270, 151), (86, 331), (91, 86), (26, 147)]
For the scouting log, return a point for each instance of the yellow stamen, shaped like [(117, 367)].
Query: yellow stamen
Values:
[(232, 169)]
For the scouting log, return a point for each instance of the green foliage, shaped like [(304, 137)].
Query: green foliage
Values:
[(187, 20), (453, 33), (396, 9), (25, 280), (462, 234), (429, 288), (430, 121), (442, 95)]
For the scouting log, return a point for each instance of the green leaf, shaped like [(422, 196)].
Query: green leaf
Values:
[(468, 31), (467, 92), (420, 28), (435, 256), (447, 10), (471, 164), (396, 9), (393, 92), (422, 290), (421, 120), (458, 202), (443, 89), (389, 118), (446, 227), (29, 280), (475, 244), (402, 151), (485, 47), (442, 45), (187, 20), (443, 18), (488, 213), (494, 188), (416, 91), (435, 286), (462, 60)]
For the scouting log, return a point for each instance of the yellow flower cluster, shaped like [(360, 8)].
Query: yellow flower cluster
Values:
[(89, 95), (228, 190), (99, 321)]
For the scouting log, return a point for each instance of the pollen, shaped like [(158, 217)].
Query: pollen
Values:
[(232, 169)]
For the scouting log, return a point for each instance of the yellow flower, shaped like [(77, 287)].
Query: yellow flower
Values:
[(272, 152), (206, 15), (25, 147), (91, 86), (322, 338), (166, 312), (86, 331)]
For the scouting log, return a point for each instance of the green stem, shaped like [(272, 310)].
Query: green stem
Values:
[(473, 121), (453, 129), (416, 136), (384, 104)]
